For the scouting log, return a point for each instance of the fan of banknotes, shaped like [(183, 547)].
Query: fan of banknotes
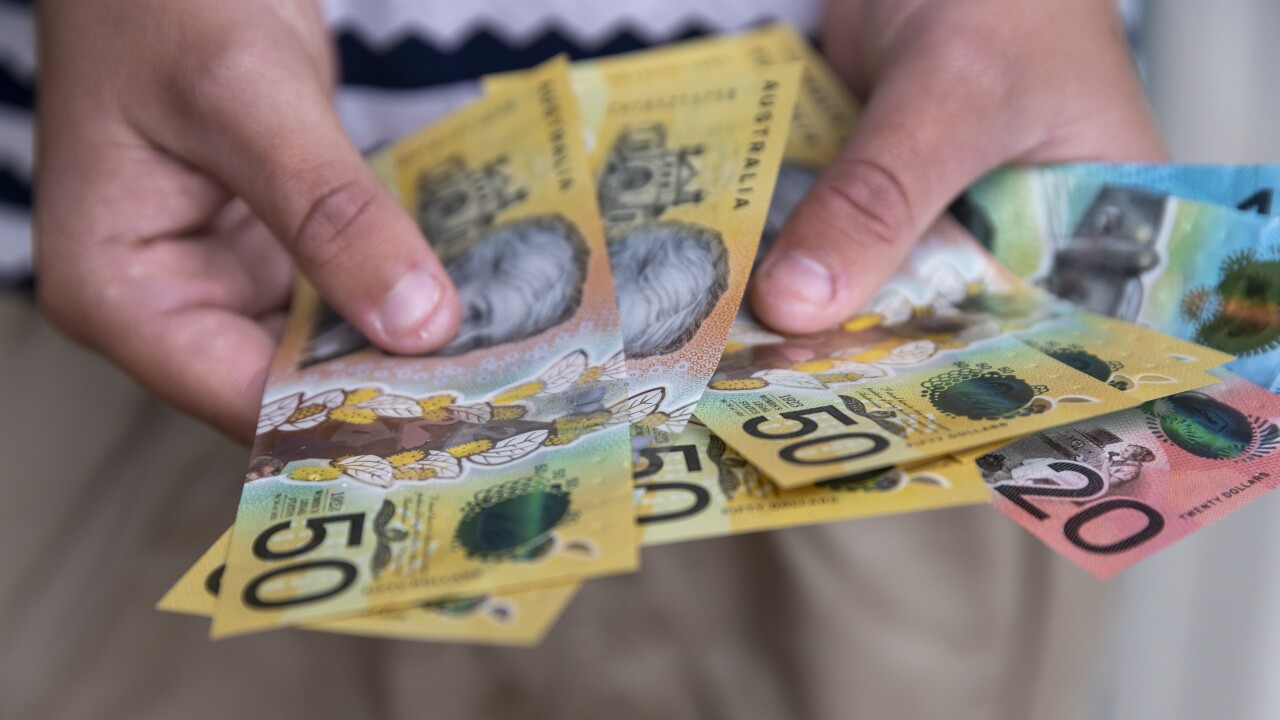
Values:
[(1090, 348)]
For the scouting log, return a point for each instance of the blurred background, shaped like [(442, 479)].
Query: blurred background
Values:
[(1189, 634), (1193, 630)]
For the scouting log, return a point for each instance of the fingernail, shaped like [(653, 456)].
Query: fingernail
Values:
[(409, 303), (801, 276), (439, 328)]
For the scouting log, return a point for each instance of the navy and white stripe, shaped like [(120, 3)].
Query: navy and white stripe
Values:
[(17, 100)]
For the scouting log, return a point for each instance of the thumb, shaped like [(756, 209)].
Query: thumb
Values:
[(928, 132), (280, 147)]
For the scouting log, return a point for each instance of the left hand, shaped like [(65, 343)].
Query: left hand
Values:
[(951, 91)]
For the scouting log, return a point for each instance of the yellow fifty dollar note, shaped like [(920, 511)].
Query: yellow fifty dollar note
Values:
[(952, 354), (860, 416), (381, 482), (693, 486), (519, 619), (684, 177)]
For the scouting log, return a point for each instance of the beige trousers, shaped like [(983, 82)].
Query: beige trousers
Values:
[(106, 496)]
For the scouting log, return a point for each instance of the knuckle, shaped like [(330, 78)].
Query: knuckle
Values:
[(870, 197), (325, 231)]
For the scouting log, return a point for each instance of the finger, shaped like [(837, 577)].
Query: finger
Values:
[(276, 142), (923, 138)]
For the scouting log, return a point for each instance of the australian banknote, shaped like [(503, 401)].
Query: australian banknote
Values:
[(693, 485), (520, 619), (684, 175), (1103, 238), (383, 482), (1110, 491)]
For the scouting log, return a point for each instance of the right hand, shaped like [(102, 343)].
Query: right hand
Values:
[(186, 151), (952, 91)]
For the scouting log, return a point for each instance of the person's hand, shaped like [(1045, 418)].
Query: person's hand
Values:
[(951, 90), (186, 150)]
